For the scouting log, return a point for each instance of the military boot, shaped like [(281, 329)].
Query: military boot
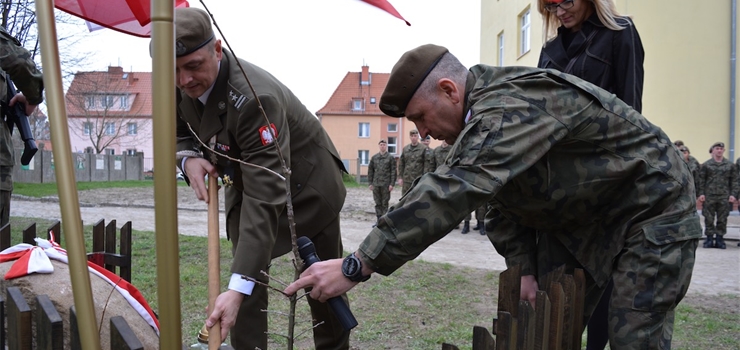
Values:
[(708, 243), (482, 230), (466, 227), (720, 242), (479, 226)]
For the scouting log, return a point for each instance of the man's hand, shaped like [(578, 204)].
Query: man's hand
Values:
[(400, 182), (390, 188), (702, 198), (325, 277), (370, 187), (196, 170), (225, 310), (19, 98), (528, 289)]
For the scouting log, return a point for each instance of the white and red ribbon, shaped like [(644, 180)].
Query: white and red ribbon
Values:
[(37, 259)]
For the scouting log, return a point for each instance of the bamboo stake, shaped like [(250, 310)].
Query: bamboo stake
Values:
[(214, 261)]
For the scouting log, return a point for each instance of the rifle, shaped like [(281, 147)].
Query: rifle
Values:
[(16, 115)]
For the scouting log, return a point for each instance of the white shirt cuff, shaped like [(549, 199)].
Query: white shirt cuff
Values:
[(182, 165), (241, 285)]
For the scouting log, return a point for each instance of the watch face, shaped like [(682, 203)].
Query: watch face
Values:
[(350, 266)]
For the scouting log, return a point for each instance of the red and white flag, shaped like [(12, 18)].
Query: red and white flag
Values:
[(37, 259), (387, 7)]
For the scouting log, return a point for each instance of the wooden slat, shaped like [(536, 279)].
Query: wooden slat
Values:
[(19, 320), (56, 227), (110, 243), (505, 332), (446, 346), (508, 290), (49, 331), (29, 234), (579, 294), (2, 321), (542, 321), (482, 339), (525, 326), (125, 251), (557, 299), (569, 289), (98, 236), (74, 330), (5, 237), (122, 337)]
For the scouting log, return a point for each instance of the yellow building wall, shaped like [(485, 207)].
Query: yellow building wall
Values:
[(687, 63)]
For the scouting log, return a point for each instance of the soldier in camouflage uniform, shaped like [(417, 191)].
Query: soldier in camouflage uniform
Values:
[(574, 176), (717, 189), (430, 164), (692, 161), (693, 166), (411, 164), (381, 174), (15, 61)]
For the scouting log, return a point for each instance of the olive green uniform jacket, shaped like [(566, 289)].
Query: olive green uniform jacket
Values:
[(233, 115), (552, 153)]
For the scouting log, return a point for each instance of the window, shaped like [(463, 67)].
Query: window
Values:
[(108, 101), (89, 150), (364, 130), (131, 128), (372, 100), (110, 128), (124, 101), (392, 127), (392, 145), (356, 104), (525, 22), (501, 49), (131, 152), (364, 156), (110, 151), (87, 126), (90, 102)]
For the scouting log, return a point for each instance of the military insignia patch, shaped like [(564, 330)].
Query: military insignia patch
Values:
[(236, 98), (266, 136), (223, 148)]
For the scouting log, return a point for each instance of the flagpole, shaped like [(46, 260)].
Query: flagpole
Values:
[(165, 189), (65, 176)]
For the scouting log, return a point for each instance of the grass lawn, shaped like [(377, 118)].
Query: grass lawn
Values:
[(421, 306)]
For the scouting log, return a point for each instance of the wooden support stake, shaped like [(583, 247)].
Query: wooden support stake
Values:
[(482, 339), (49, 329), (557, 299), (214, 260), (508, 290), (122, 337), (505, 331), (19, 321), (542, 321), (579, 294), (525, 326)]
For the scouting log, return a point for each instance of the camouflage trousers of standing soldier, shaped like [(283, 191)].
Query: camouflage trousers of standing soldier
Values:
[(719, 209), (480, 213), (381, 196), (649, 281)]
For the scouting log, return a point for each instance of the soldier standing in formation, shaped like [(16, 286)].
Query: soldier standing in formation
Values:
[(411, 164), (694, 166), (381, 175), (717, 189), (430, 164), (16, 61)]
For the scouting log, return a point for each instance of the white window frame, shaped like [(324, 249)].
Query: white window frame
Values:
[(392, 144), (110, 151), (110, 128), (108, 101), (87, 128), (501, 49), (90, 101), (124, 102), (357, 104), (392, 127), (363, 130), (364, 156), (132, 128), (131, 152), (525, 22)]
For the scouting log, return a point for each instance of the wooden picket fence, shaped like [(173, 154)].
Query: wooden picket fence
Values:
[(555, 324), (16, 315)]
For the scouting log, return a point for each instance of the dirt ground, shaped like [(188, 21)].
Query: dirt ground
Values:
[(715, 270)]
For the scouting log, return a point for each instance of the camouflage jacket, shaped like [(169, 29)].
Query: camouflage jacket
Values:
[(15, 61), (411, 164), (718, 179), (430, 163), (552, 154), (382, 170), (440, 153)]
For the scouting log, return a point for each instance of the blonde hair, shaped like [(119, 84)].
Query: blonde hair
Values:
[(605, 9)]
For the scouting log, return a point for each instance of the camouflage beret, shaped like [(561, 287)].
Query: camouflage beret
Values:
[(716, 144), (382, 141), (414, 132), (192, 30), (678, 143), (406, 77)]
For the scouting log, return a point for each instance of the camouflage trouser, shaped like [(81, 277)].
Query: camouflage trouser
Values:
[(4, 207), (480, 213), (718, 208), (649, 281), (381, 196)]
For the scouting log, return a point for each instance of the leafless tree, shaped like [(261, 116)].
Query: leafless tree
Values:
[(109, 109)]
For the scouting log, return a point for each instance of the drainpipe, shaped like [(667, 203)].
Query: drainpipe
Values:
[(733, 47)]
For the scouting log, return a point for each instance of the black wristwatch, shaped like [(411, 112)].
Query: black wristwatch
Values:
[(352, 269)]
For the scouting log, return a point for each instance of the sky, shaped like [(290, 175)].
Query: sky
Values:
[(311, 45)]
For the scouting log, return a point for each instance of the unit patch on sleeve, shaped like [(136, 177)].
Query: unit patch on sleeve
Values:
[(266, 136)]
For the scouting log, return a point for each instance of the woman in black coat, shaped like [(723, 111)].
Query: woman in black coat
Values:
[(589, 39)]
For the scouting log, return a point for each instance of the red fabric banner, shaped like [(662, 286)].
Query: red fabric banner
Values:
[(126, 16), (387, 7)]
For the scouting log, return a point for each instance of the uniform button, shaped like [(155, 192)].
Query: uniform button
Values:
[(298, 186)]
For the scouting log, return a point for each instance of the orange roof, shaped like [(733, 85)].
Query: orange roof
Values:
[(138, 85), (365, 86)]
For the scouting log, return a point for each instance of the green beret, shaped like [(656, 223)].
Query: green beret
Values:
[(716, 144), (192, 30), (406, 77), (382, 141), (414, 132)]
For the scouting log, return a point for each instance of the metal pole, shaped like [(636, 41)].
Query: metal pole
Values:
[(64, 170), (733, 49), (165, 195)]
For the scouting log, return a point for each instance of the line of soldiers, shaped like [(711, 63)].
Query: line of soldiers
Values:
[(717, 183), (416, 159)]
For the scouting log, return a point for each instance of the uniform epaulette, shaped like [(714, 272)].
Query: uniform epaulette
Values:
[(236, 97)]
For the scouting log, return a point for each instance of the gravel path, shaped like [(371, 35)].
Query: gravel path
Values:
[(715, 271)]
